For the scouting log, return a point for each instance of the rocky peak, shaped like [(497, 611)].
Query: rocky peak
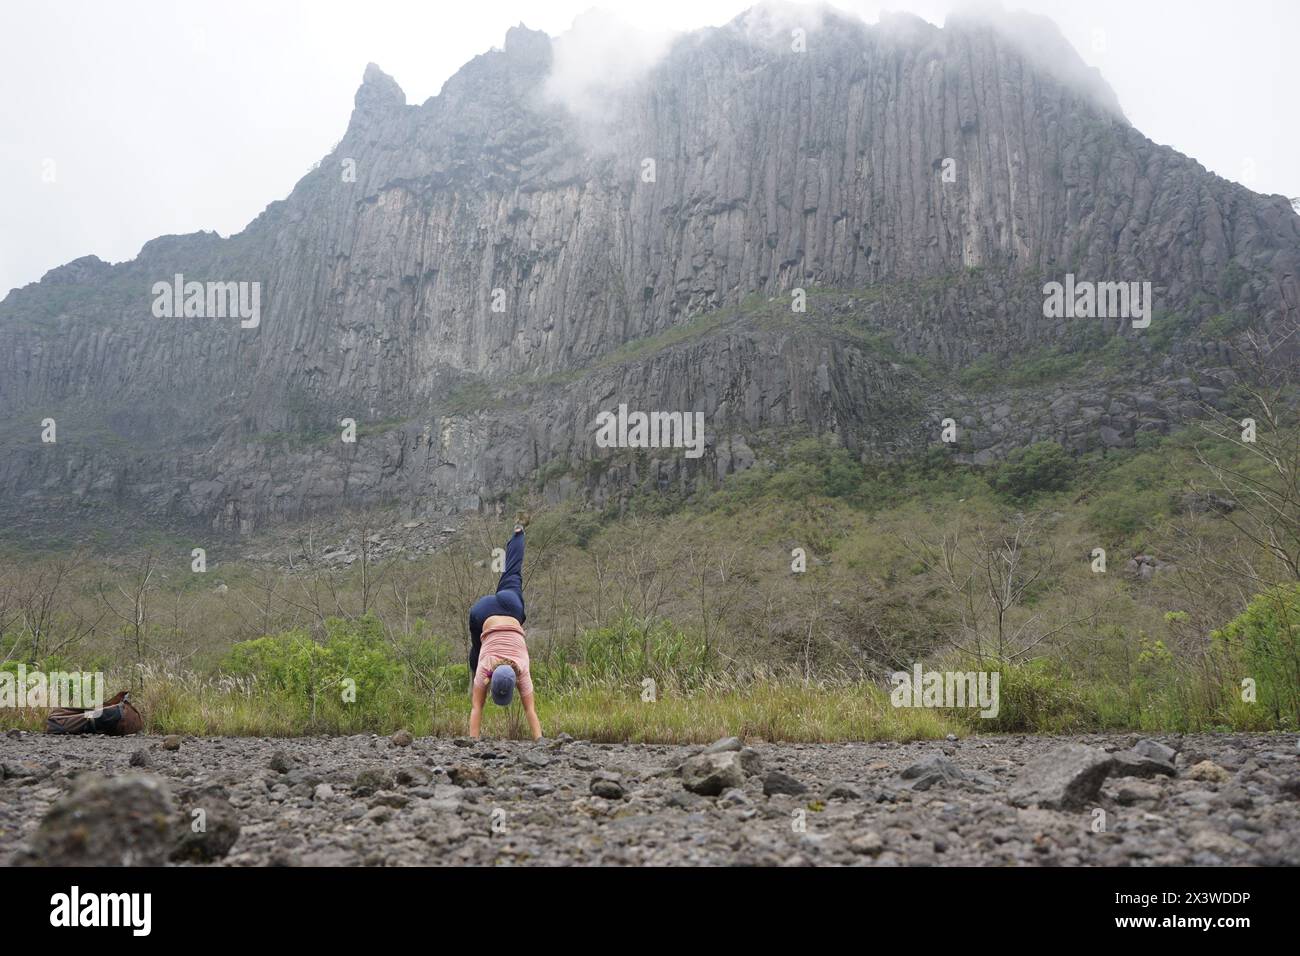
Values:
[(473, 292), (379, 92), (84, 269), (1040, 41), (531, 48)]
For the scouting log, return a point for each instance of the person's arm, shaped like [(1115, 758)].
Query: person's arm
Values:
[(476, 710), (475, 644), (530, 710)]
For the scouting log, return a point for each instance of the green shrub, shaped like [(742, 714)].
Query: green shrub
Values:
[(1038, 696), (1042, 467), (353, 678), (1265, 640)]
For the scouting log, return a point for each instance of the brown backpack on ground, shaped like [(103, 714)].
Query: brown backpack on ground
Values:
[(117, 718)]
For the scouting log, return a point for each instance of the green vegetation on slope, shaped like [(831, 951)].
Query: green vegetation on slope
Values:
[(699, 595)]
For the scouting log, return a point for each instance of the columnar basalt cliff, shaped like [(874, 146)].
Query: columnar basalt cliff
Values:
[(473, 279)]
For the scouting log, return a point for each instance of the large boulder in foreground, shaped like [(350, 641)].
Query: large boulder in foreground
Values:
[(119, 821), (1066, 778), (134, 820)]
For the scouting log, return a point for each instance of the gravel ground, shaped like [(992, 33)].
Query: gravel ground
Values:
[(1231, 800)]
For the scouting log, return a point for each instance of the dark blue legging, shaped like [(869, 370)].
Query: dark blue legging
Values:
[(509, 599)]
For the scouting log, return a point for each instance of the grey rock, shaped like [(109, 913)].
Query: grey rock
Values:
[(724, 745), (841, 791), (1137, 792), (937, 770), (463, 775), (709, 774), (607, 785), (280, 762), (735, 797), (372, 779), (120, 821), (867, 844), (208, 828), (778, 782), (1208, 771), (1068, 777), (1155, 750), (534, 758), (1131, 764)]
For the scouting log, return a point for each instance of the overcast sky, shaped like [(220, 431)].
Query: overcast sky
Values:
[(122, 120)]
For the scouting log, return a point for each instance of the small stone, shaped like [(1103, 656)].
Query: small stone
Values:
[(402, 738), (466, 776), (171, 742), (607, 785), (1137, 792), (1237, 798), (934, 771), (1155, 750), (534, 758), (413, 776), (684, 800), (735, 797), (779, 782), (1208, 771), (322, 793), (842, 791), (372, 779), (1211, 841), (724, 745), (709, 774), (867, 844), (1133, 764), (1068, 777), (141, 758), (215, 838), (280, 762)]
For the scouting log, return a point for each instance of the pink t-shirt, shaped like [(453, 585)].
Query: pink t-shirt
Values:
[(503, 642)]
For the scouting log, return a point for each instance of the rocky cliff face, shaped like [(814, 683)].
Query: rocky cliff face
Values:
[(474, 279)]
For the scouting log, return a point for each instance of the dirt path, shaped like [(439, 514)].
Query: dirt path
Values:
[(368, 801)]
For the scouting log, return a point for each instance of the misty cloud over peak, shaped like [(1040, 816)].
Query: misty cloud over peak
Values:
[(600, 55), (1040, 40)]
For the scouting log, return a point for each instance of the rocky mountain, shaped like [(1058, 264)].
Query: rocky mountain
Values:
[(474, 279)]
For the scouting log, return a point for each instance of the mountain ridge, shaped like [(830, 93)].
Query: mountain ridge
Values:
[(774, 170)]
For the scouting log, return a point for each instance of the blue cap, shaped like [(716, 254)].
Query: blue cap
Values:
[(503, 685)]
